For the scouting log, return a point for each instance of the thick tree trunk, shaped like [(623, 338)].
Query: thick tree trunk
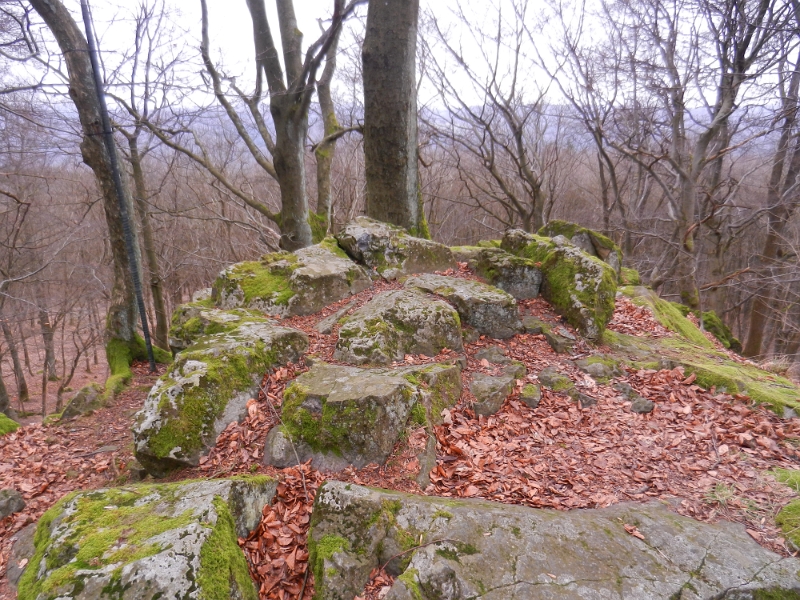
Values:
[(19, 374), (121, 322), (390, 113), (5, 401), (289, 161), (148, 239)]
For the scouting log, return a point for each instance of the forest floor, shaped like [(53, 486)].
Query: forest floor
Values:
[(704, 454)]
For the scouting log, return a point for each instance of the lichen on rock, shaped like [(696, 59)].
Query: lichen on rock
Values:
[(397, 323), (284, 284), (175, 540), (579, 286), (193, 320), (489, 310), (205, 390), (391, 251)]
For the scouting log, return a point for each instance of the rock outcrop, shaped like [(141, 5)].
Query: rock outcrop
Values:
[(489, 310), (340, 416), (397, 323), (86, 399), (391, 251), (175, 540), (588, 240), (193, 320), (579, 286), (459, 549), (207, 388), (518, 276), (298, 283)]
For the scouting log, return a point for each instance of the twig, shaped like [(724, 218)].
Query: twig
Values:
[(305, 580), (415, 548)]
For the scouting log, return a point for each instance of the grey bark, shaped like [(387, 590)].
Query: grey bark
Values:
[(121, 322), (390, 113), (19, 374), (48, 337)]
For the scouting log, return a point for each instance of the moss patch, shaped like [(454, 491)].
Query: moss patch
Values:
[(222, 561), (716, 327), (410, 578), (7, 425), (629, 276), (266, 280), (668, 314), (319, 226), (120, 355), (322, 550)]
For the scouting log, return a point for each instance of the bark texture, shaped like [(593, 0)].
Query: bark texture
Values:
[(390, 113)]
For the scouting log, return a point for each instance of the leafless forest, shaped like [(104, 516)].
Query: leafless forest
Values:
[(669, 125)]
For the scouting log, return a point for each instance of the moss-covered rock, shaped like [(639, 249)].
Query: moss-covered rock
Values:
[(120, 354), (490, 392), (516, 275), (668, 314), (489, 310), (588, 240), (629, 276), (716, 327), (194, 320), (148, 541), (339, 416), (601, 367), (391, 251), (7, 425), (206, 389), (472, 548), (579, 286), (788, 518), (88, 398), (299, 283), (397, 323)]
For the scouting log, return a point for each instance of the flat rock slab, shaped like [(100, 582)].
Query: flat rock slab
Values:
[(339, 416), (397, 323), (580, 287), (490, 310), (193, 320), (504, 552), (284, 284), (205, 390), (174, 540), (391, 251)]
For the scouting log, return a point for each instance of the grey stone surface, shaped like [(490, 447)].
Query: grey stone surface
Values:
[(533, 325), (284, 284), (339, 416), (11, 502), (642, 405), (552, 378), (488, 309), (493, 551), (21, 552), (397, 323), (518, 276), (86, 399), (391, 251), (494, 354), (205, 390), (194, 320), (325, 326), (183, 537), (600, 366), (591, 242), (585, 400), (515, 369), (490, 392)]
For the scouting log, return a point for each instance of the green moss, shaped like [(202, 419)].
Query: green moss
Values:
[(629, 276), (7, 425), (319, 226), (418, 416), (516, 531), (489, 244), (322, 550), (442, 514), (222, 561), (568, 230), (775, 594), (409, 577), (790, 477), (120, 354), (668, 314), (208, 321), (330, 244), (266, 280), (714, 325), (101, 521)]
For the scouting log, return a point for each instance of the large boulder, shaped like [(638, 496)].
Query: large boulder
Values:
[(86, 399), (175, 540), (487, 309), (206, 389), (579, 286), (391, 251), (459, 549), (339, 416), (397, 323), (588, 240), (284, 284)]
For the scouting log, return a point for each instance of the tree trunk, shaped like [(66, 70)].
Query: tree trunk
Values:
[(390, 113), (121, 322), (156, 285), (19, 374), (23, 343), (48, 337), (5, 401)]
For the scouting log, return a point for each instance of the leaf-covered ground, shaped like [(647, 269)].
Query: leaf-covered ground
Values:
[(706, 455)]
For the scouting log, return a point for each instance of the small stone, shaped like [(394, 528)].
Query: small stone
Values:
[(530, 395), (10, 502), (136, 470), (427, 462), (642, 405), (625, 390), (583, 399), (490, 392), (470, 335), (550, 377), (494, 354), (789, 413), (516, 369), (559, 344), (533, 325)]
